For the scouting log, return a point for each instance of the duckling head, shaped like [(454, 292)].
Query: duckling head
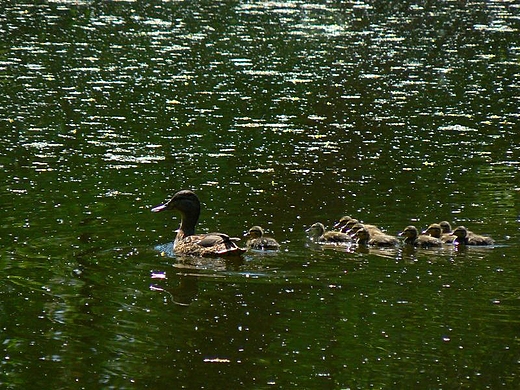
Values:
[(255, 232), (315, 230)]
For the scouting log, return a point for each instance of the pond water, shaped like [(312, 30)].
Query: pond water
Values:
[(277, 114)]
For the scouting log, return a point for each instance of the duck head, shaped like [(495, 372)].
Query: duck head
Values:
[(445, 226), (255, 232), (317, 229), (410, 232), (184, 201), (434, 230), (342, 221), (461, 232)]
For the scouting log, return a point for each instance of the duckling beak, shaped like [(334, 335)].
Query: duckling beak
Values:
[(159, 208)]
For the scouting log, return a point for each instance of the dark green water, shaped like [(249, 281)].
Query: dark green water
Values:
[(279, 114)]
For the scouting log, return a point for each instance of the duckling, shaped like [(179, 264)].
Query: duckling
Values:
[(342, 222), (465, 237), (318, 234), (186, 241), (258, 241), (412, 237), (364, 238), (445, 226), (352, 222), (355, 228), (446, 234), (435, 230)]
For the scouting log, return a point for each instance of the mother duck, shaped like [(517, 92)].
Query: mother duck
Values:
[(186, 241)]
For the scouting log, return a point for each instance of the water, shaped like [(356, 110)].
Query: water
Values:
[(277, 114)]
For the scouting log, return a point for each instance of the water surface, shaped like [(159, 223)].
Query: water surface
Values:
[(279, 114)]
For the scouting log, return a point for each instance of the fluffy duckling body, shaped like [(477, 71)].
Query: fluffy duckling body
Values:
[(318, 234), (186, 241), (412, 237), (363, 237), (258, 241), (465, 237)]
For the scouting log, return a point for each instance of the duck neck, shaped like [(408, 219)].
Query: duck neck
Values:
[(461, 240), (187, 228)]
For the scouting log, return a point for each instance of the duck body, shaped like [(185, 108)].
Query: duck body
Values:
[(465, 237), (364, 237), (412, 237), (186, 241), (258, 241), (319, 235)]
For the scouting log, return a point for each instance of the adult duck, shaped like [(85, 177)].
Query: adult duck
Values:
[(412, 237), (318, 234), (258, 241), (465, 237), (363, 237), (186, 241)]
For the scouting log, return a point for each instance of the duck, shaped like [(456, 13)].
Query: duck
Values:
[(186, 242), (355, 228), (363, 237), (445, 226), (446, 234), (352, 222), (342, 222), (258, 241), (318, 234), (412, 237), (465, 237), (436, 230)]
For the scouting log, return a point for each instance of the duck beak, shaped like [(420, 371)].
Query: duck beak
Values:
[(159, 208)]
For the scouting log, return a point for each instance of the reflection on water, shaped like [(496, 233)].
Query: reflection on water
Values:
[(279, 114)]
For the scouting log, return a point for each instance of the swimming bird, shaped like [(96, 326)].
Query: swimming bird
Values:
[(257, 240), (318, 234), (465, 237), (186, 241), (446, 233), (413, 237), (352, 222), (445, 226), (363, 237), (342, 222), (435, 230)]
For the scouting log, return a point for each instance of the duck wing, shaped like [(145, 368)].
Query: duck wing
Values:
[(213, 239)]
